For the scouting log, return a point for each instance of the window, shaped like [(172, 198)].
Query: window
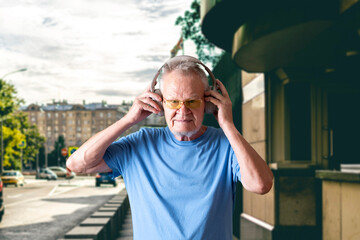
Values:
[(298, 121)]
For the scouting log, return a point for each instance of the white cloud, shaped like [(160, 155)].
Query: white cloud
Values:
[(92, 50)]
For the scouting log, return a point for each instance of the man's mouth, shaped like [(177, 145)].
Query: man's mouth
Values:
[(182, 120)]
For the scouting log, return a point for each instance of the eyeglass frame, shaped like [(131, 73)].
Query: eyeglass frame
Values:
[(181, 103)]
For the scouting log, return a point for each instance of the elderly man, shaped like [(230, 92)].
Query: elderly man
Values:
[(180, 179)]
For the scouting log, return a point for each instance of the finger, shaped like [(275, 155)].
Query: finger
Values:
[(149, 102), (142, 106), (222, 88), (213, 100), (151, 95), (150, 108), (214, 94)]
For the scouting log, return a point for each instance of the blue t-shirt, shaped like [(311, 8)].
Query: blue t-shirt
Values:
[(177, 189)]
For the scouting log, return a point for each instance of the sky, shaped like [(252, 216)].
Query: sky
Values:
[(87, 50)]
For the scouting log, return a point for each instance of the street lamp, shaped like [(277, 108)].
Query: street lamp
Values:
[(19, 70), (1, 120)]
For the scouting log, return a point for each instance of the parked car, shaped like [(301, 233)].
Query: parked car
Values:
[(62, 172), (46, 173), (2, 207), (104, 178), (12, 177)]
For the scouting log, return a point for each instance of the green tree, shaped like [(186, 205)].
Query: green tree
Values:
[(8, 100), (16, 128), (191, 29), (34, 140), (11, 137), (12, 155)]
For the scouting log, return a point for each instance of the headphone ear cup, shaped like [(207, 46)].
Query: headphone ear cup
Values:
[(210, 108), (160, 104)]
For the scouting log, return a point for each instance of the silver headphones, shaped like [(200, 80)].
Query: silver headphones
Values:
[(209, 106)]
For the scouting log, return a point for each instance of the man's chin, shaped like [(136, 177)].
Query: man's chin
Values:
[(184, 133)]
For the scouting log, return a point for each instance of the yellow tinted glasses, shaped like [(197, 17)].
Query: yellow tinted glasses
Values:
[(176, 104)]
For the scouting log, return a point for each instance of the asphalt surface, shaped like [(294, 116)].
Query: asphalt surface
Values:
[(46, 210)]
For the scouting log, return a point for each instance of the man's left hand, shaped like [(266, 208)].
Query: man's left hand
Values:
[(222, 100)]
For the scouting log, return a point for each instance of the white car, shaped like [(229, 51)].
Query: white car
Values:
[(61, 172), (46, 173)]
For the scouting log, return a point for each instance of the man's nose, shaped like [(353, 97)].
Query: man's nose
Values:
[(183, 109)]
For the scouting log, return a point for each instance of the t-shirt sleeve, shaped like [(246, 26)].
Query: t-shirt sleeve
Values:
[(235, 167), (118, 155), (113, 158)]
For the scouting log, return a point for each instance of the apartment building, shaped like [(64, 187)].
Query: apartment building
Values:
[(78, 122)]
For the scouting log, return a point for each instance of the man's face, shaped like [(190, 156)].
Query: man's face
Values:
[(184, 122)]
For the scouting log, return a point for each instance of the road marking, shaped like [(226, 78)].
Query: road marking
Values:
[(51, 193), (53, 190), (14, 196)]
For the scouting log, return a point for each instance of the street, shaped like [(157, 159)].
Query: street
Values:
[(48, 209)]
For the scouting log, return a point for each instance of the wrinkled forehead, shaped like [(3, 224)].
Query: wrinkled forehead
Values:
[(183, 86)]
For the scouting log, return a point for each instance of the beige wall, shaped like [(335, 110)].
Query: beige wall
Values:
[(340, 210), (259, 206)]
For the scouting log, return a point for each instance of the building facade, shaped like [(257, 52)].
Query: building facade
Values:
[(301, 88), (78, 122)]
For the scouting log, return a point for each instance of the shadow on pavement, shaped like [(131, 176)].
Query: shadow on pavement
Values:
[(60, 224)]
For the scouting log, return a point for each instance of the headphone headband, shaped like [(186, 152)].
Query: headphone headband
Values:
[(209, 107), (182, 59)]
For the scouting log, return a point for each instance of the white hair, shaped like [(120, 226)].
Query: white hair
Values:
[(185, 66)]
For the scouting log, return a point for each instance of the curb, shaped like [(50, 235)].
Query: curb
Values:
[(104, 223)]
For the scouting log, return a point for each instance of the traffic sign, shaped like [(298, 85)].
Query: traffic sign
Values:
[(22, 144), (64, 152), (72, 150)]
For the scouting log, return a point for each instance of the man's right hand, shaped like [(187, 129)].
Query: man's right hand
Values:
[(143, 106), (89, 157)]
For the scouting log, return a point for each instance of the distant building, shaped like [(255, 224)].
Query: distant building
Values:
[(78, 122)]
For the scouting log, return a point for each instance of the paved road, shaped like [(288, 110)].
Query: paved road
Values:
[(46, 210)]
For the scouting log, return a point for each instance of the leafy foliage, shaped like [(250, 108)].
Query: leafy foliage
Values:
[(191, 29), (9, 102), (17, 128), (12, 155)]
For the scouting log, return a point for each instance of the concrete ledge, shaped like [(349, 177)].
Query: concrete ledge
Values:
[(75, 239), (338, 176), (105, 223), (113, 216), (94, 232)]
